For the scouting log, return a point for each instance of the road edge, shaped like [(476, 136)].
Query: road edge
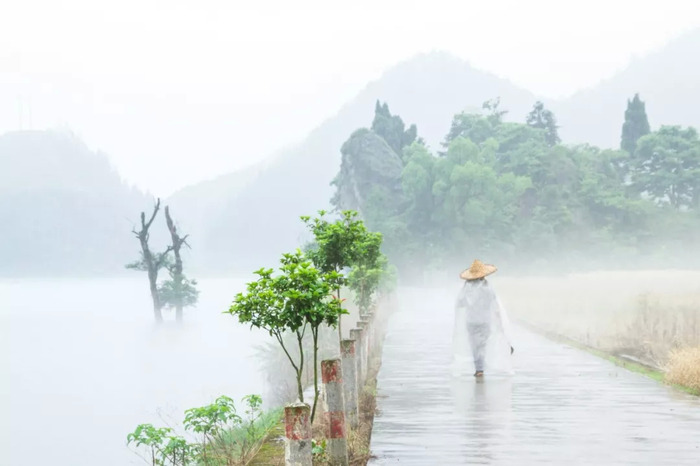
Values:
[(621, 360)]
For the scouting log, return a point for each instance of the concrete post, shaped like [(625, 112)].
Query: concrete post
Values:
[(337, 447), (347, 356), (356, 334), (369, 331), (377, 327), (364, 326), (363, 315), (372, 332), (297, 446)]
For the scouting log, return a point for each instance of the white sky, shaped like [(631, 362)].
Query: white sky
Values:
[(178, 91)]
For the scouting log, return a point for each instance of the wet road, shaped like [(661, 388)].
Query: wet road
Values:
[(562, 406)]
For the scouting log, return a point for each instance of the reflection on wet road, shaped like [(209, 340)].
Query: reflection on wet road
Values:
[(562, 406)]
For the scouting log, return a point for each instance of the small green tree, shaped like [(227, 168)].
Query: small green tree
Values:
[(635, 126), (392, 128), (178, 296), (164, 447), (151, 437), (367, 271), (296, 300), (335, 246), (211, 420), (226, 437), (544, 119), (666, 166), (494, 114), (180, 452), (253, 430)]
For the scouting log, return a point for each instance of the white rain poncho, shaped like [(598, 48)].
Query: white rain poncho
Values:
[(481, 336)]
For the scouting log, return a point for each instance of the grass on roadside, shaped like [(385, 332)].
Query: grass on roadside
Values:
[(682, 374), (271, 452), (684, 369), (242, 444)]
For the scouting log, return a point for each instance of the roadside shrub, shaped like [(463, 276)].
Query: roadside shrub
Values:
[(684, 368)]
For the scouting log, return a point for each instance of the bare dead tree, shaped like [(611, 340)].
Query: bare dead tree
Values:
[(150, 262), (176, 269)]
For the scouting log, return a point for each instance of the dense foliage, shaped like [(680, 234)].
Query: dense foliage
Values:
[(347, 244), (295, 300), (305, 295), (666, 167), (636, 124), (222, 435), (369, 270), (544, 119), (511, 192)]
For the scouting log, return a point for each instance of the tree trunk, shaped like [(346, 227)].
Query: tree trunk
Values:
[(300, 388), (340, 317), (313, 410), (177, 243), (300, 370), (149, 262), (152, 279)]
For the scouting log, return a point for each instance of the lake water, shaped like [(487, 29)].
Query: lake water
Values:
[(84, 362)]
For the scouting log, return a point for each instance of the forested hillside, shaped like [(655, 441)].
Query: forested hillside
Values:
[(430, 87), (512, 193), (61, 203), (63, 208), (429, 90)]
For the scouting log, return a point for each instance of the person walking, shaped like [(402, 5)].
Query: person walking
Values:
[(486, 320)]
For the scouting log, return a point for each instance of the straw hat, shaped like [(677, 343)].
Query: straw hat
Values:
[(478, 270)]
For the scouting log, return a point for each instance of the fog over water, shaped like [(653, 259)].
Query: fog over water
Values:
[(87, 364), (557, 140)]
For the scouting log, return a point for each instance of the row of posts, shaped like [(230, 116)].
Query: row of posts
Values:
[(343, 380)]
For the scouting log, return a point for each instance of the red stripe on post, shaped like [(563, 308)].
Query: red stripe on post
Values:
[(330, 371), (296, 423), (336, 421)]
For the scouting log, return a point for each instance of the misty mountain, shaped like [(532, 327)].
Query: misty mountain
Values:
[(198, 207), (262, 219), (63, 208), (667, 80)]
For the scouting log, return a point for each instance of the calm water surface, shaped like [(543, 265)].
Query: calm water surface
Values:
[(84, 363)]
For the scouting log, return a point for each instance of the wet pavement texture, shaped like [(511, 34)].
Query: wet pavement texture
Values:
[(562, 406)]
